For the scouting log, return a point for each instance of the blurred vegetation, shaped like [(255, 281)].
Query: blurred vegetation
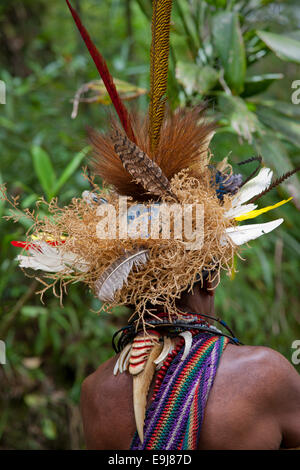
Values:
[(241, 56)]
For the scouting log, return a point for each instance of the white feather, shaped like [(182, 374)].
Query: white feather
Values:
[(51, 259), (255, 186), (244, 233), (239, 210), (117, 274)]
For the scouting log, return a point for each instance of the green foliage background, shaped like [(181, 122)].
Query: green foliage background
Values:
[(242, 56)]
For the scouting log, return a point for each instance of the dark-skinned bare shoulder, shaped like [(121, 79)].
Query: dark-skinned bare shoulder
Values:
[(254, 404), (275, 384), (283, 395), (107, 416), (245, 408)]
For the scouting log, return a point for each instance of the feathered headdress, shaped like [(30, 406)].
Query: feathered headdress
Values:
[(120, 247)]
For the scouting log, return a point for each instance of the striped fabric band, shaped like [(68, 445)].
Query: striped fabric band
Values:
[(173, 420)]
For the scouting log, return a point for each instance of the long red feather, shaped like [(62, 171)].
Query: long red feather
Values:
[(105, 75), (27, 245)]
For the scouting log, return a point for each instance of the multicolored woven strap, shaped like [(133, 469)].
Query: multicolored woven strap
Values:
[(173, 420)]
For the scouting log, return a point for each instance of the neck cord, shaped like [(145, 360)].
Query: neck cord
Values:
[(130, 331)]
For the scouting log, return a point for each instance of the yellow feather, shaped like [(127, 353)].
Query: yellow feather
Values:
[(43, 235), (159, 66), (255, 213)]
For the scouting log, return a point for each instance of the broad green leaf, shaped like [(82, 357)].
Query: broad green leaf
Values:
[(294, 35), (55, 337), (7, 124), (75, 324), (229, 44), (286, 126), (70, 169), (196, 78), (23, 186), (29, 200), (34, 400), (43, 169), (22, 219), (33, 311), (275, 156), (259, 83), (292, 242), (228, 144), (41, 338), (217, 3), (243, 121), (282, 107), (145, 7), (8, 271), (265, 265), (285, 48), (61, 320), (49, 428)]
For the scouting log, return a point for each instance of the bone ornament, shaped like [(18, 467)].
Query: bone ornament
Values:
[(141, 358), (140, 350), (121, 363), (141, 384), (188, 341), (124, 357), (134, 356), (167, 348)]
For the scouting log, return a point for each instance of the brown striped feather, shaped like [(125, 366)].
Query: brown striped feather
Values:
[(142, 169), (159, 56), (183, 143)]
